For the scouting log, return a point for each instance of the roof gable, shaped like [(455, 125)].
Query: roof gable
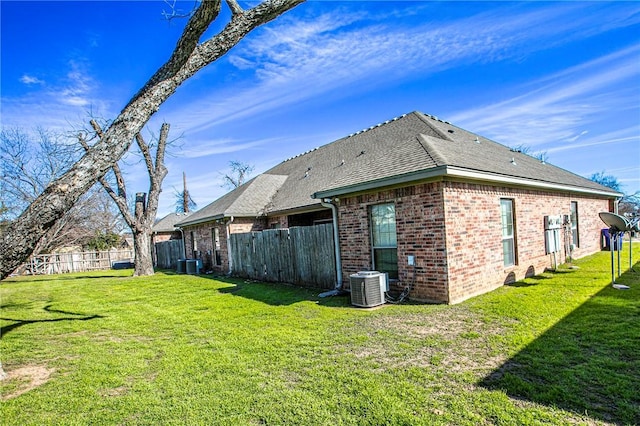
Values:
[(247, 200), (167, 223), (405, 149)]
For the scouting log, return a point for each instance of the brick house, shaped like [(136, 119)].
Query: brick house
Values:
[(165, 228), (449, 212)]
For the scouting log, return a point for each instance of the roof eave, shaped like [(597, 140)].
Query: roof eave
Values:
[(379, 183), (457, 172), (199, 221), (531, 183)]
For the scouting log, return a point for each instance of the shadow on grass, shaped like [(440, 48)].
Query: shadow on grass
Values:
[(65, 277), (19, 323), (275, 294), (588, 363)]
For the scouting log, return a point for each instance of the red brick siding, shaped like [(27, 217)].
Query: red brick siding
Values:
[(419, 227), (454, 231), (474, 239), (278, 222), (203, 233), (159, 238)]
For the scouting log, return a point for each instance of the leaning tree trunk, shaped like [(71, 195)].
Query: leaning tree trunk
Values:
[(188, 57)]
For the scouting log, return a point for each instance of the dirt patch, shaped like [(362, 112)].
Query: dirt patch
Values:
[(453, 340), (23, 379)]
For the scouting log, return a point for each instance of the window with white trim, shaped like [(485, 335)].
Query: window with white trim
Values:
[(215, 236), (383, 239), (508, 232), (575, 238)]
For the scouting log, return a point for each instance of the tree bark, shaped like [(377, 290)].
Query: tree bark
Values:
[(188, 57), (142, 247)]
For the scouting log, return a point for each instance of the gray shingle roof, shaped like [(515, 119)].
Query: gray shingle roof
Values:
[(247, 200), (167, 223), (408, 148)]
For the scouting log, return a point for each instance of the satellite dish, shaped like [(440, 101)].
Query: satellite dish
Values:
[(616, 222)]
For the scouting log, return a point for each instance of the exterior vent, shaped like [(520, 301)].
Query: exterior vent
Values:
[(368, 288)]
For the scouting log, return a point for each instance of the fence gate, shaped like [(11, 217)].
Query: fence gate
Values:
[(168, 253), (302, 255)]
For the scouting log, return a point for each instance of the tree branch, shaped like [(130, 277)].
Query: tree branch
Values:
[(206, 13), (120, 198), (187, 58), (120, 184), (235, 7)]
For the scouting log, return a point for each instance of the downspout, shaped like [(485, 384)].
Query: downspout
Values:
[(327, 202), (229, 245), (184, 248)]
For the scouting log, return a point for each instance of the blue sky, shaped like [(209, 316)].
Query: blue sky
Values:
[(558, 77)]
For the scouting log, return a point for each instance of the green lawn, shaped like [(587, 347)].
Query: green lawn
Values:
[(106, 348)]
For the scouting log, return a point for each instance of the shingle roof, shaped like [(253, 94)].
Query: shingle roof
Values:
[(247, 200), (167, 223), (408, 148)]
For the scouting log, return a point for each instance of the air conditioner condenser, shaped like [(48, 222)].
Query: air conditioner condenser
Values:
[(368, 288)]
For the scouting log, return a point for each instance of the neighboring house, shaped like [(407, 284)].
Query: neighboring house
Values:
[(449, 212), (166, 240), (165, 228)]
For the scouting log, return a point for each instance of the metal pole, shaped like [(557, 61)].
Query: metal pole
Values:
[(618, 243), (613, 274)]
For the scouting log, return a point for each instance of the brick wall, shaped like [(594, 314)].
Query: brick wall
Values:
[(203, 233), (453, 230), (474, 234), (419, 227)]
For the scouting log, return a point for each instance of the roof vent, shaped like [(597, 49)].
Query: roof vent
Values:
[(477, 140), (450, 130), (513, 161)]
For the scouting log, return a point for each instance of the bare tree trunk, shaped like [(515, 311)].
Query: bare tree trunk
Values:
[(142, 248), (145, 209), (188, 57), (185, 194)]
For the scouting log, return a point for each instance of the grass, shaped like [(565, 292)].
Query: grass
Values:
[(106, 348)]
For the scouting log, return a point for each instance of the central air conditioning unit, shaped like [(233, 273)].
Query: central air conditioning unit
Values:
[(368, 288)]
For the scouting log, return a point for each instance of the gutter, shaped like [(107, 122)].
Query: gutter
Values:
[(458, 172), (229, 245), (327, 202)]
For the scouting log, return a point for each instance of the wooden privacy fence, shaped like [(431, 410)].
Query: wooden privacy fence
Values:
[(168, 253), (61, 263), (300, 255)]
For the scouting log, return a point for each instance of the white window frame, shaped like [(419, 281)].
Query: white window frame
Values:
[(575, 224), (508, 226), (390, 241)]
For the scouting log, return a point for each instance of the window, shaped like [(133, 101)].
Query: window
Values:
[(508, 232), (574, 224), (194, 244), (215, 235), (383, 239)]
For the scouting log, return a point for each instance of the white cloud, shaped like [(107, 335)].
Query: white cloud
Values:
[(59, 104), (29, 80), (205, 148), (561, 105), (337, 54)]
